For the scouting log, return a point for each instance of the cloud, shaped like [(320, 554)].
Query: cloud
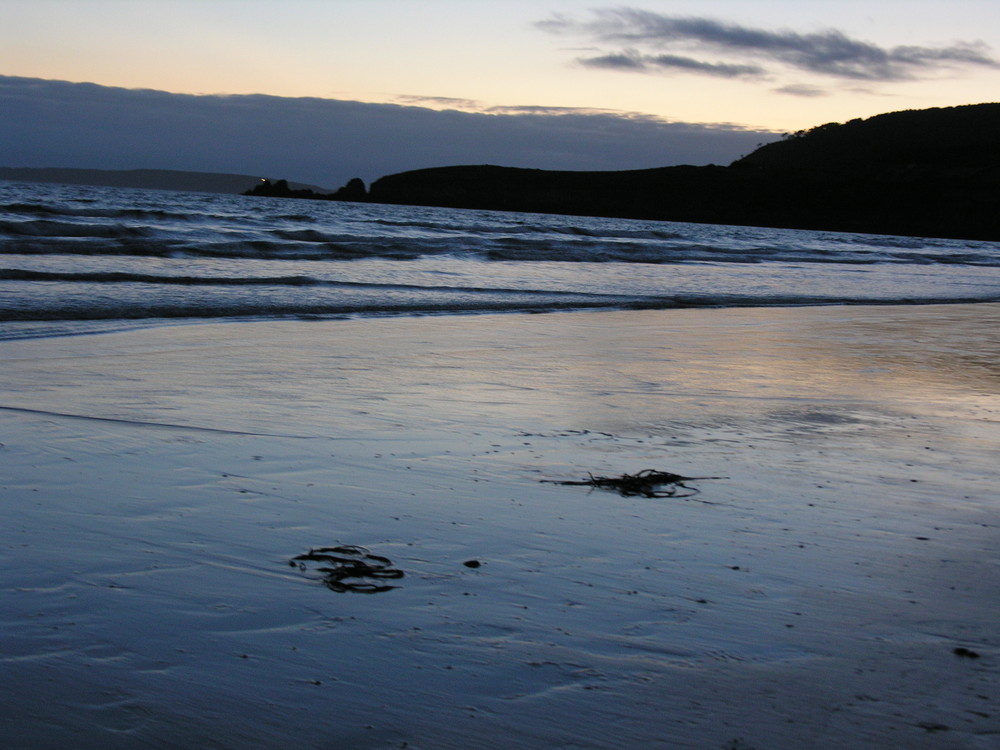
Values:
[(474, 105), (632, 60), (620, 61), (646, 35), (326, 141), (801, 89), (440, 102)]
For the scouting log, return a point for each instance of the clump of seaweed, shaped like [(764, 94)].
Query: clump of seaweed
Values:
[(647, 483), (339, 565)]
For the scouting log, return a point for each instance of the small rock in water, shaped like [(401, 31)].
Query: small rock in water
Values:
[(472, 563)]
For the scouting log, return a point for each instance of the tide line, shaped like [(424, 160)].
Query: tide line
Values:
[(163, 425)]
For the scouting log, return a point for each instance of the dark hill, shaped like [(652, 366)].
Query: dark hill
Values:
[(929, 172), (631, 194), (953, 137)]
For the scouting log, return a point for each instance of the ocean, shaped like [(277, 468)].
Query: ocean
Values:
[(78, 259)]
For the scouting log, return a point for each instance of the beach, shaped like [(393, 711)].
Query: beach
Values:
[(826, 579)]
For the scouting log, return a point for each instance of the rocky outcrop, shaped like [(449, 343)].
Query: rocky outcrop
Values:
[(354, 190)]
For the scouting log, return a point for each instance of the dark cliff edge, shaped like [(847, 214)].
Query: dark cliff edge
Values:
[(931, 173)]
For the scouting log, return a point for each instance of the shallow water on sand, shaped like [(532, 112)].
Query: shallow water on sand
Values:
[(157, 484)]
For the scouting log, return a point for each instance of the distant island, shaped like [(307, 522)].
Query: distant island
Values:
[(146, 179)]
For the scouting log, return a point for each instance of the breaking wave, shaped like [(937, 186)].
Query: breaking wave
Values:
[(74, 254)]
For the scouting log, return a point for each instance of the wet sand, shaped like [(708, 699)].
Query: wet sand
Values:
[(156, 485)]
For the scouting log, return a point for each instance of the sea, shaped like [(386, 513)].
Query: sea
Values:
[(80, 260)]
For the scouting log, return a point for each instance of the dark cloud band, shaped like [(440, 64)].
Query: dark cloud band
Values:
[(326, 141), (635, 61), (652, 41)]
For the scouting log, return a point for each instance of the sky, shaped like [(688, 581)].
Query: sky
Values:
[(546, 83)]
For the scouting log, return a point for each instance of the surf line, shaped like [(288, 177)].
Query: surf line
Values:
[(162, 425)]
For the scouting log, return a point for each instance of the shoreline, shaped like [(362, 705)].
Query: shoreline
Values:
[(102, 326), (816, 598)]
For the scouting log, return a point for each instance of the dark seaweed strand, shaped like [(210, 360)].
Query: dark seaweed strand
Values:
[(349, 562), (643, 483)]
